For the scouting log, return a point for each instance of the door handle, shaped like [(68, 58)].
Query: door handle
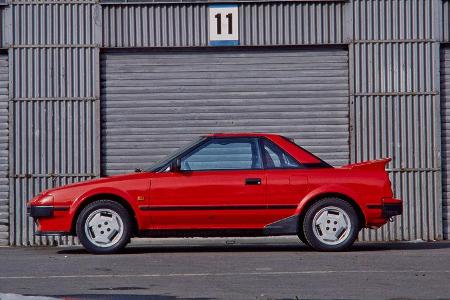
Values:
[(253, 181)]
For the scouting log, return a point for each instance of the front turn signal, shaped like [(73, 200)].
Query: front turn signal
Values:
[(45, 201)]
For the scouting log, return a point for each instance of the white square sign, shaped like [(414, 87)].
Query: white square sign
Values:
[(223, 25)]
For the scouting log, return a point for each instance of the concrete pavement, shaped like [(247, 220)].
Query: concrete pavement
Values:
[(263, 268)]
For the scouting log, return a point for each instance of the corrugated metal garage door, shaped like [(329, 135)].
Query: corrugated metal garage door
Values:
[(153, 102), (445, 139), (4, 183)]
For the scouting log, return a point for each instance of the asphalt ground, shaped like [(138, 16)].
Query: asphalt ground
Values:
[(262, 268)]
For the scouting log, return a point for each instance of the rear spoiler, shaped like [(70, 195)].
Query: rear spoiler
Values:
[(379, 164)]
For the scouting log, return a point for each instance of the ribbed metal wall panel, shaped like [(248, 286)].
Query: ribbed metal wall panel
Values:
[(445, 121), (4, 186), (52, 24), (153, 102), (63, 72), (154, 25), (394, 66), (54, 137), (53, 104), (395, 20), (3, 27), (445, 21), (22, 2), (383, 121), (398, 67), (184, 25), (291, 23)]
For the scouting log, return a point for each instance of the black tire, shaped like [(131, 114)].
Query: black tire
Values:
[(109, 205), (301, 236), (348, 237)]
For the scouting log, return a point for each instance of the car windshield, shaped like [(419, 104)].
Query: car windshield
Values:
[(162, 163)]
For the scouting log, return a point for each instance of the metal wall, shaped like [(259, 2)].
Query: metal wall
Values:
[(4, 131), (4, 184), (394, 56), (445, 117), (54, 88), (185, 25), (53, 104), (154, 102)]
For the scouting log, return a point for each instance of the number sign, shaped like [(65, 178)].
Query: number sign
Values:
[(223, 25)]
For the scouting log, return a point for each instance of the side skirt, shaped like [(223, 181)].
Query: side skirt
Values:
[(52, 233), (287, 226)]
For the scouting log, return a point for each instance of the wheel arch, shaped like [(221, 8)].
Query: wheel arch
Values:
[(105, 196), (304, 208)]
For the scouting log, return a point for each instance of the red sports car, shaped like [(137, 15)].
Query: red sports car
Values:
[(224, 185)]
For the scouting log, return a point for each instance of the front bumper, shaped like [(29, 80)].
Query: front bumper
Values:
[(44, 211), (51, 220), (40, 211)]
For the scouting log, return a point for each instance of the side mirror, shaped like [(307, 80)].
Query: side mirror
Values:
[(175, 166)]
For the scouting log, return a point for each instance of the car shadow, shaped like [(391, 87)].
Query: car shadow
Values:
[(183, 248), (114, 297), (136, 297), (139, 249)]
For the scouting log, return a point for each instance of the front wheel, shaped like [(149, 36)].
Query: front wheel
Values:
[(331, 224), (301, 236), (104, 227)]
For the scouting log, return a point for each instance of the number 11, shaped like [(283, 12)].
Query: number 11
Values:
[(219, 23)]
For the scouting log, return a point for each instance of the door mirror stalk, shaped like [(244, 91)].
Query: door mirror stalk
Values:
[(175, 166)]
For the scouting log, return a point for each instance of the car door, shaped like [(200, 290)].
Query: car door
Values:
[(287, 181), (219, 184)]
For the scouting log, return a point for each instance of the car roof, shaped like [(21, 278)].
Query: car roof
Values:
[(241, 134), (287, 144)]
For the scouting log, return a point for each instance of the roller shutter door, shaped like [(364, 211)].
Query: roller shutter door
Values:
[(445, 139), (153, 102), (4, 183)]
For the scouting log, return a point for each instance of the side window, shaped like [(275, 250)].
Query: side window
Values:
[(224, 154), (276, 158)]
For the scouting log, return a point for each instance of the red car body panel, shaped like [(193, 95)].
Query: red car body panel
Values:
[(219, 199), (196, 191)]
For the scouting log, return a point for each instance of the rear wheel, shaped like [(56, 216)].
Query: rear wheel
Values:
[(331, 224), (104, 226)]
